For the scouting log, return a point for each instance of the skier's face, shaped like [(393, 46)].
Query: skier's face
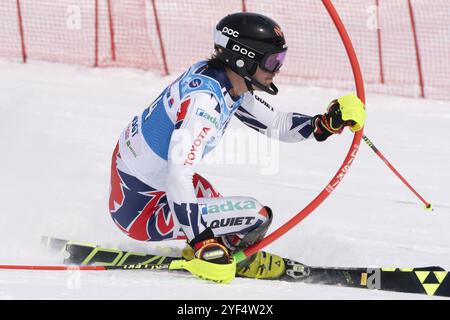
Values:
[(264, 77)]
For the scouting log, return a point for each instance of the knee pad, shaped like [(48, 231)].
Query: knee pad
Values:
[(258, 233), (239, 221), (243, 241)]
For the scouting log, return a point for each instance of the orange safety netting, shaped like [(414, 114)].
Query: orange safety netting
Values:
[(403, 45)]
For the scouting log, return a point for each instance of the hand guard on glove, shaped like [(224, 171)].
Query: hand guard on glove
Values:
[(208, 249), (345, 111)]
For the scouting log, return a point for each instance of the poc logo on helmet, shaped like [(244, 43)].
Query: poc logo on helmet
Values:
[(230, 32), (243, 51)]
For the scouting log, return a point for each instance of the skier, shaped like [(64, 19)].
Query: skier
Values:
[(156, 193)]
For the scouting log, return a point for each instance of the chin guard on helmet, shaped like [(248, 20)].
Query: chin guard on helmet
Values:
[(272, 89)]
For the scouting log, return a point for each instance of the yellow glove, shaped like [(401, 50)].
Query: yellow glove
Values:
[(353, 112), (348, 111)]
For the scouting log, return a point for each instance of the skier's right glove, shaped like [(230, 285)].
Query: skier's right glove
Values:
[(208, 249), (345, 111)]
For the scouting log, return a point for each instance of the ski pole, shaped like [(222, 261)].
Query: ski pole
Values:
[(428, 205)]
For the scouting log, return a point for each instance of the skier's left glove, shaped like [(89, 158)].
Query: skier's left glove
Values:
[(346, 111), (207, 248)]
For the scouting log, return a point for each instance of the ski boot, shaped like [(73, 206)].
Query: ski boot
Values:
[(262, 265)]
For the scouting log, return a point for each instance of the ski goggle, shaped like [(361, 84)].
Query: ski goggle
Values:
[(273, 62)]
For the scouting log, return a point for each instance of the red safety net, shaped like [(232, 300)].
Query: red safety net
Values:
[(403, 45)]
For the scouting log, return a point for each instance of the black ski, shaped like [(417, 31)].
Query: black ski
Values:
[(83, 254), (427, 280)]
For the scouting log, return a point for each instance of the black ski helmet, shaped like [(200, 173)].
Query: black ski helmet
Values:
[(246, 40)]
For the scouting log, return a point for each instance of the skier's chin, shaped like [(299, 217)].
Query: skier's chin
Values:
[(268, 82)]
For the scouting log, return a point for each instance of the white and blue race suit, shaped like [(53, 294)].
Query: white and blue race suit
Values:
[(155, 192)]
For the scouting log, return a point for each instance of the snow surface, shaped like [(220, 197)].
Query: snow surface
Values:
[(59, 125)]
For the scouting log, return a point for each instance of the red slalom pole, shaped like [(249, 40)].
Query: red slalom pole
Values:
[(51, 268), (162, 266), (428, 205), (359, 82)]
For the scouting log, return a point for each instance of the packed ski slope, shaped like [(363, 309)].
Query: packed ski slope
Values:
[(59, 125)]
